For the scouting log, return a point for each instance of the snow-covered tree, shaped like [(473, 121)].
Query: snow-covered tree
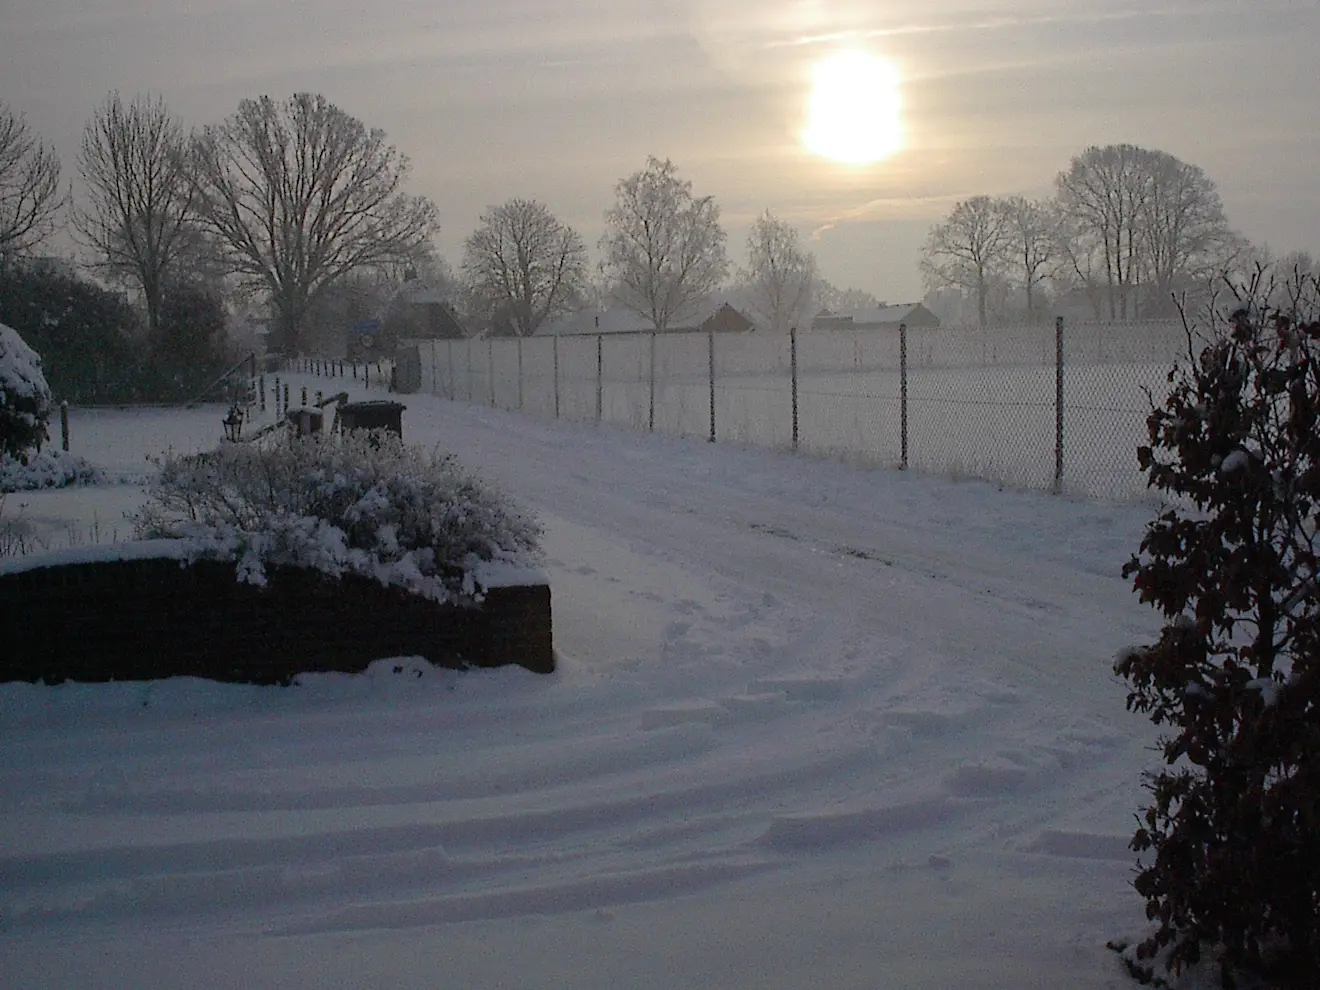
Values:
[(781, 276), (25, 400), (663, 248)]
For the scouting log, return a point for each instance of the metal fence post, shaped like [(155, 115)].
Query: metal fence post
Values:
[(555, 353), (434, 389), (650, 418), (793, 378), (471, 385), (600, 377), (64, 420), (520, 373), (1058, 404), (902, 396), (490, 367), (710, 346)]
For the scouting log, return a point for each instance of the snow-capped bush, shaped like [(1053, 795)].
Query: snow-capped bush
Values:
[(49, 469), (25, 401), (361, 502), (1235, 673)]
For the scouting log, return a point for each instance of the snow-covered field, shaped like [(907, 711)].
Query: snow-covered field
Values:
[(814, 726)]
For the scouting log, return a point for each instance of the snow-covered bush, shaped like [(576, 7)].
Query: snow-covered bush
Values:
[(49, 469), (25, 401), (1235, 674), (361, 502)]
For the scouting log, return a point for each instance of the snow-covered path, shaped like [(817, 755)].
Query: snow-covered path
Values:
[(813, 726)]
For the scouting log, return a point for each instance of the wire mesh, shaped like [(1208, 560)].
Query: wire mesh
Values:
[(979, 403)]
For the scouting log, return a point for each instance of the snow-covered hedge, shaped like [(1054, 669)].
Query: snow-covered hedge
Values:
[(360, 502), (49, 469), (25, 401)]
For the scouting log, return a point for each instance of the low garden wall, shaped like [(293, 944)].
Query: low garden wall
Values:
[(140, 619)]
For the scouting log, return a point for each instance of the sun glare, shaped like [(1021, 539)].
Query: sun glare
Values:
[(854, 114)]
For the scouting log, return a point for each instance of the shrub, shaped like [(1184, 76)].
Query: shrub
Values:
[(25, 401), (48, 469), (1235, 673), (360, 502), (87, 336)]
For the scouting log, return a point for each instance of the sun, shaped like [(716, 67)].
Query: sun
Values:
[(854, 115)]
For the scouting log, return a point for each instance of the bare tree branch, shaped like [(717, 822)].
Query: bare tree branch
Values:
[(969, 250), (301, 194), (138, 216), (30, 195), (663, 248), (781, 277), (523, 264)]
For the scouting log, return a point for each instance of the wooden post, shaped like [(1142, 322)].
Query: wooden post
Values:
[(903, 396), (490, 366), (520, 373), (710, 349), (793, 379), (304, 395), (555, 352), (261, 391), (286, 398), (64, 424)]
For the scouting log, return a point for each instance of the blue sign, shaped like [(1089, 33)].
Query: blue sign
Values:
[(366, 328)]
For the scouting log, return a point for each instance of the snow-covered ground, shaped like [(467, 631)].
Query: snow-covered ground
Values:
[(813, 726)]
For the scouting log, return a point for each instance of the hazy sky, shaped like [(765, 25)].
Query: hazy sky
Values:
[(559, 100)]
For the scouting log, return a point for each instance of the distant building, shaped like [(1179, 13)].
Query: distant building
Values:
[(419, 312), (618, 319), (883, 318), (726, 319)]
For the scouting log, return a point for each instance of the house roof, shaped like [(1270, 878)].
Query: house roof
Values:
[(884, 314), (619, 319)]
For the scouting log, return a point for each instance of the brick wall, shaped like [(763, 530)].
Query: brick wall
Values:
[(144, 619)]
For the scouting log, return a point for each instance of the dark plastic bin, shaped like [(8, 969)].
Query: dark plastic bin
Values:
[(377, 414)]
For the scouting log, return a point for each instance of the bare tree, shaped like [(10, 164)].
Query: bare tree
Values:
[(831, 297), (1031, 246), (1103, 195), (1144, 218), (968, 250), (780, 275), (29, 186), (138, 215), (1186, 235), (301, 194), (524, 264), (663, 248)]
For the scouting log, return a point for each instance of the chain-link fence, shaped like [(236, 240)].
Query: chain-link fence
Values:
[(1054, 407)]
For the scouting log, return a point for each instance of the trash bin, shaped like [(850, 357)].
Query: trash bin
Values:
[(376, 414)]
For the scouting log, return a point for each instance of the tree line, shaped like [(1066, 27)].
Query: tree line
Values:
[(1137, 233), (301, 206)]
